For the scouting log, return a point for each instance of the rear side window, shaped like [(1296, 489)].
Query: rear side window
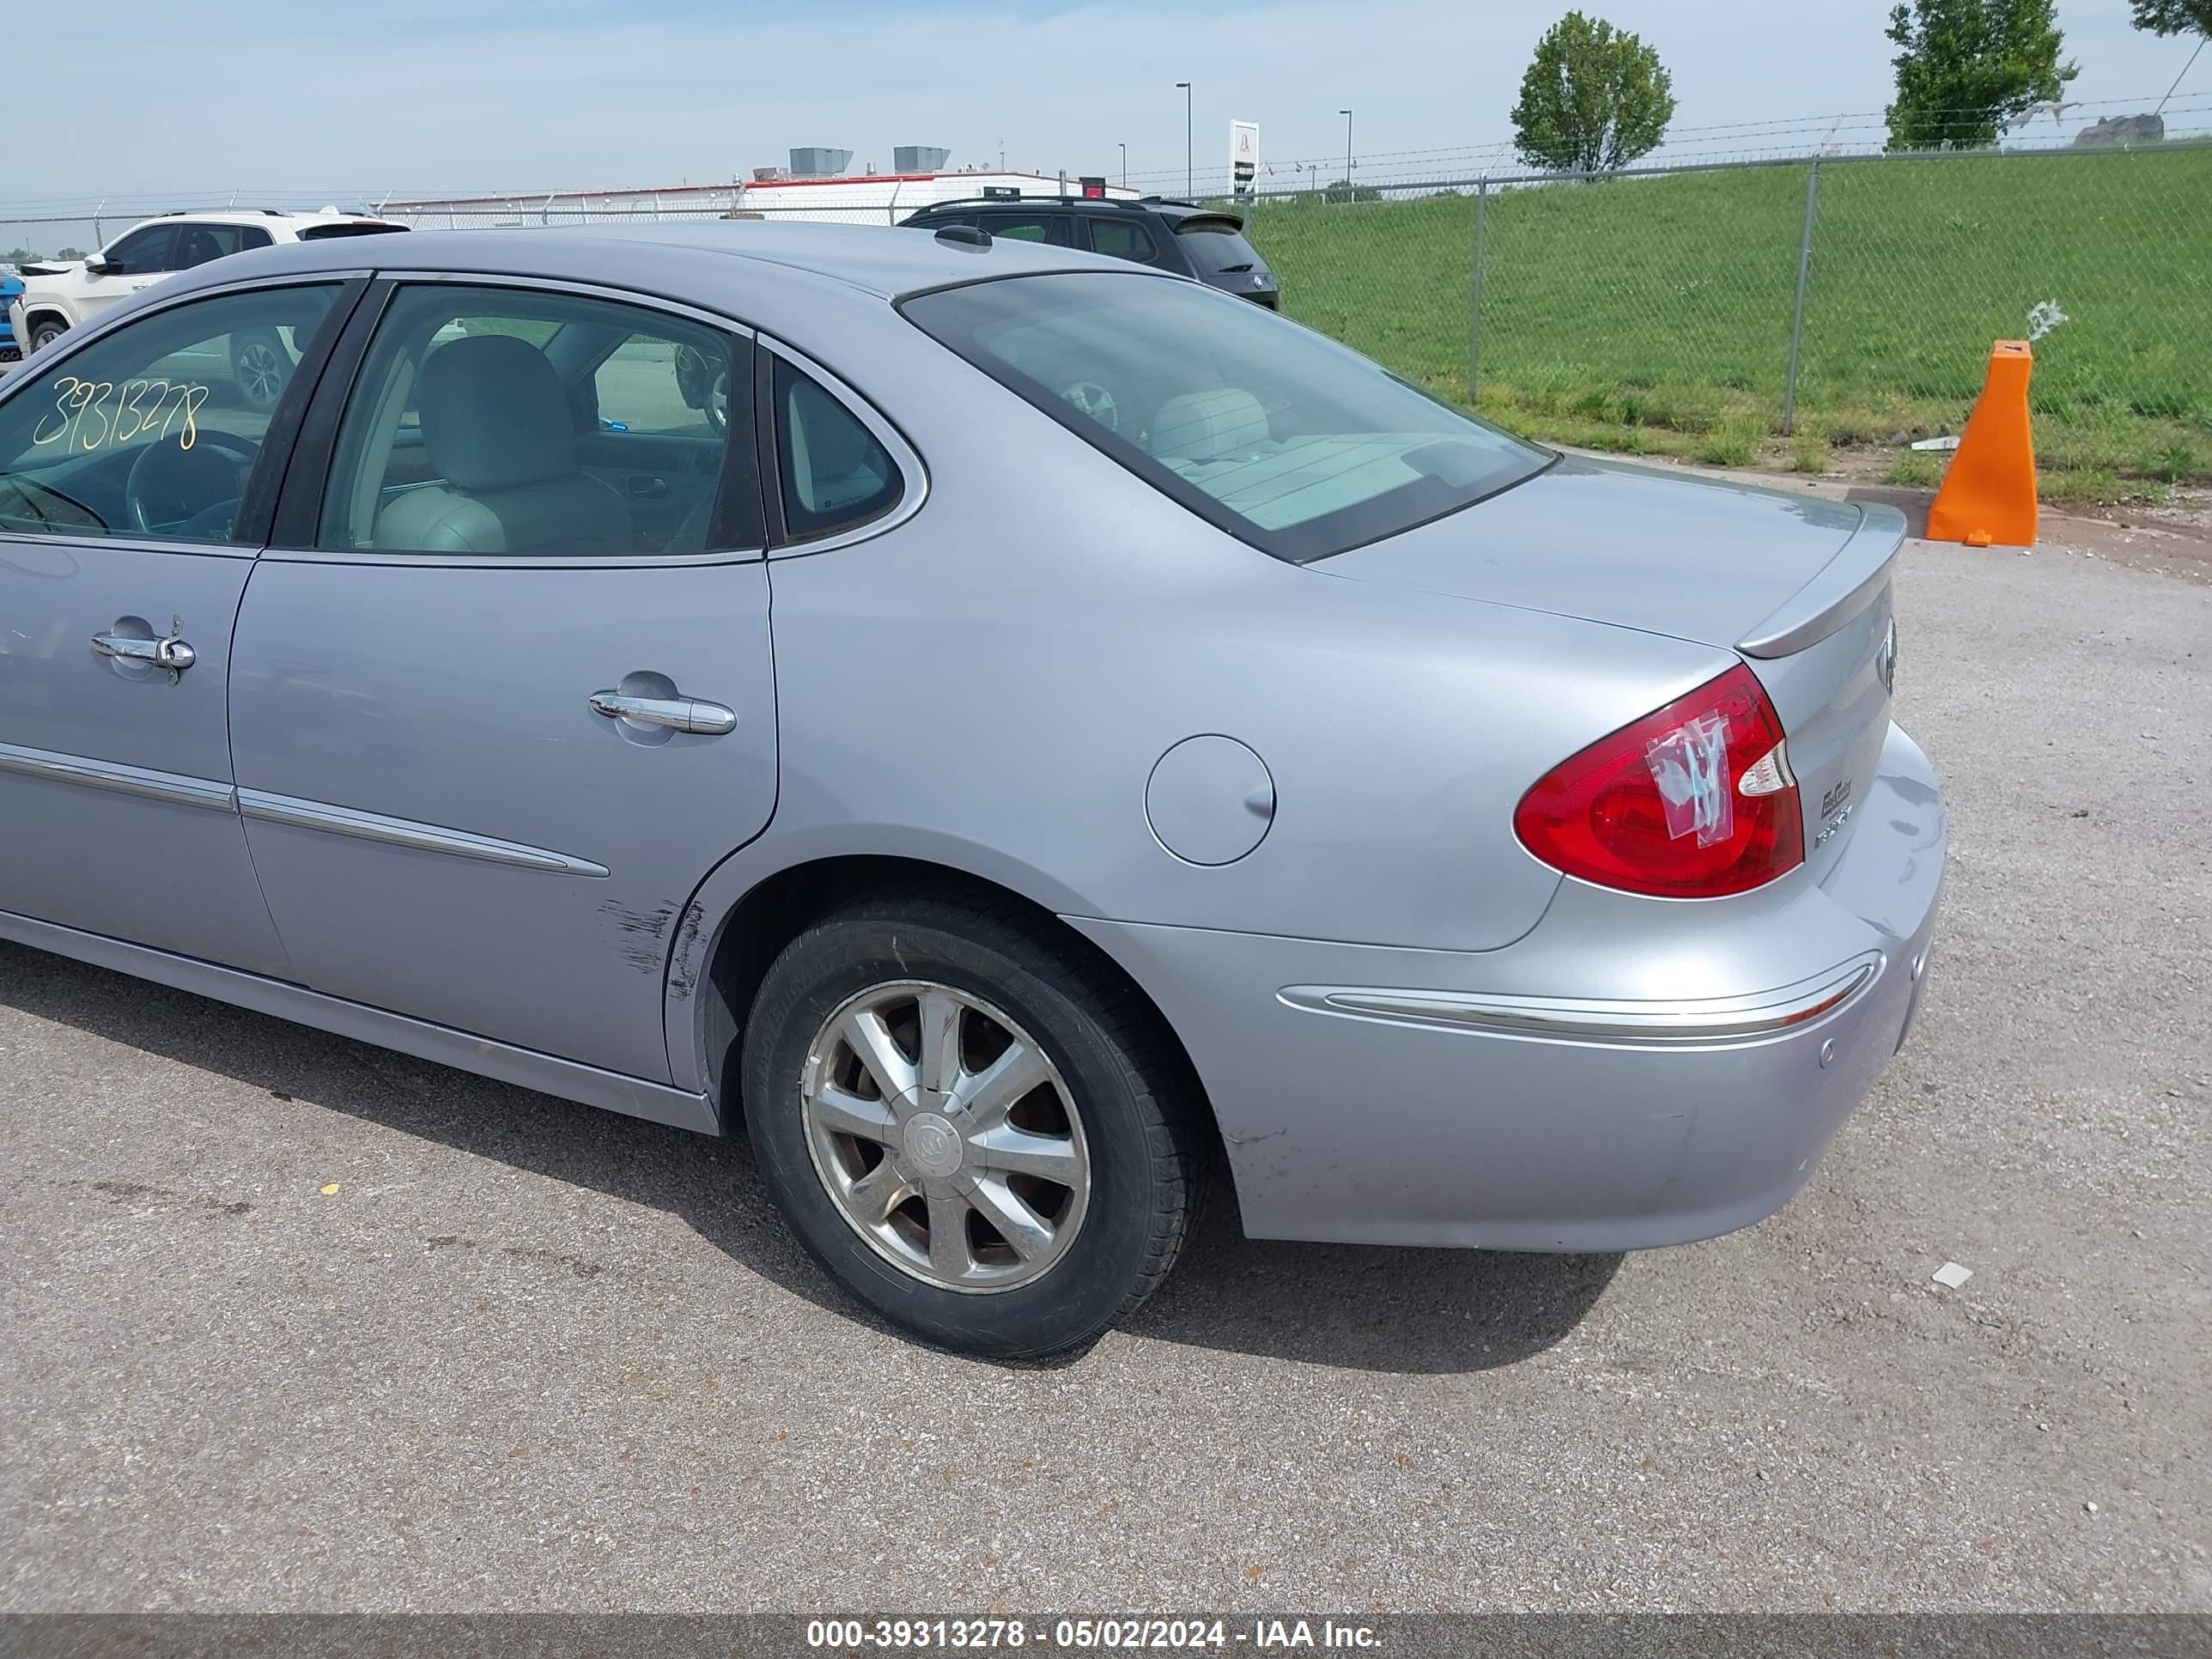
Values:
[(349, 227), (1047, 228), (834, 474), (197, 244), (1124, 239), (1217, 246)]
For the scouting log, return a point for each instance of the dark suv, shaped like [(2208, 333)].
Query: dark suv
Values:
[(1196, 241)]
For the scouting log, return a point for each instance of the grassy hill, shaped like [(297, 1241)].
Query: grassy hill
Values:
[(1653, 315)]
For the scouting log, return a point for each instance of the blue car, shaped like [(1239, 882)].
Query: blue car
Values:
[(11, 350)]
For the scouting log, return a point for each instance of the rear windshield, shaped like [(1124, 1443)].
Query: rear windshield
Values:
[(1275, 434), (351, 228), (1217, 246)]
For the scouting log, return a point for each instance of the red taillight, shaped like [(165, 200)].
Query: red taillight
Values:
[(1695, 801)]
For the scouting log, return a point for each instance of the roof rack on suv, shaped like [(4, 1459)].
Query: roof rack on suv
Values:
[(1032, 201)]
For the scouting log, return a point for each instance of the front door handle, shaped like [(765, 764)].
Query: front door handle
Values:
[(174, 655), (706, 720)]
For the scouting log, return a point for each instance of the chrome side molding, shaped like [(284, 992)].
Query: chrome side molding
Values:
[(405, 832), (142, 782), (1687, 1020)]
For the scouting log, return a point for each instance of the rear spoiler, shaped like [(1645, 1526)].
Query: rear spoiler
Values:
[(1842, 588)]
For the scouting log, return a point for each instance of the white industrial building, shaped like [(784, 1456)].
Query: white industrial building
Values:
[(816, 187)]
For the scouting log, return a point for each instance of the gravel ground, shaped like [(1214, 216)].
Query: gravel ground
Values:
[(526, 1355)]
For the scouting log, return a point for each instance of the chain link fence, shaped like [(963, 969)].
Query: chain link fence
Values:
[(1821, 314), (1782, 312)]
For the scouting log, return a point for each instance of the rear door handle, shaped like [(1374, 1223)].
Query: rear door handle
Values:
[(175, 655), (652, 488), (706, 720)]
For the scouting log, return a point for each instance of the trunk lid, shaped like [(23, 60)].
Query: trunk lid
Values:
[(1697, 558), (1797, 585)]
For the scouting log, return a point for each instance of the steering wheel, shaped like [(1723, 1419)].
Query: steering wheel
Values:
[(169, 484), (1096, 401)]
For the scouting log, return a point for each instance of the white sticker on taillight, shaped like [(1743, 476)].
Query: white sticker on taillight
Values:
[(1690, 766)]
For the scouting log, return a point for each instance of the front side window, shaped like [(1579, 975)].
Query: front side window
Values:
[(143, 253), (504, 422), (1279, 436), (834, 474), (154, 430)]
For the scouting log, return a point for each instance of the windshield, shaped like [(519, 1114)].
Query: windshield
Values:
[(1217, 246), (1273, 433)]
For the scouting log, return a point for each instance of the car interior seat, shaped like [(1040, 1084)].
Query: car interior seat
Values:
[(497, 429), (1209, 426)]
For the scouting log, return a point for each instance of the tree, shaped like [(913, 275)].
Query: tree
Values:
[(22, 256), (69, 253), (1970, 66), (1593, 99), (2174, 16)]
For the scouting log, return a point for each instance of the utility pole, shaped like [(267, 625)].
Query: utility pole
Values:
[(1350, 194), (1187, 151), (1125, 166)]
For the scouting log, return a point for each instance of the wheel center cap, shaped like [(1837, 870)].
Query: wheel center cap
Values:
[(932, 1144)]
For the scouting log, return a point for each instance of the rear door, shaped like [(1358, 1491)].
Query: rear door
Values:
[(496, 715)]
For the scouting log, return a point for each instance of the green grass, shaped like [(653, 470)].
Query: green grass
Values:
[(1653, 316)]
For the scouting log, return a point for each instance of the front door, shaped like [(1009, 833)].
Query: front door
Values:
[(502, 696), (125, 540)]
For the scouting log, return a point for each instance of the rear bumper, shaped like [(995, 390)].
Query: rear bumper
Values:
[(1596, 1086)]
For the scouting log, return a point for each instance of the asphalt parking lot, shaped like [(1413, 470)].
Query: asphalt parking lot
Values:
[(526, 1355)]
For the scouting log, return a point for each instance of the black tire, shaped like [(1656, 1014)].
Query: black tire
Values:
[(44, 332), (1137, 1107)]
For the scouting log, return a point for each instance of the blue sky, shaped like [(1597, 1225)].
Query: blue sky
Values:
[(517, 94)]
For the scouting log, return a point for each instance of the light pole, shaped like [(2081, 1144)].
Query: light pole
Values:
[(1125, 166), (1184, 87), (1350, 194)]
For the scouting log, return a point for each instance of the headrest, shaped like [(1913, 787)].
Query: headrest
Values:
[(493, 415), (1208, 426)]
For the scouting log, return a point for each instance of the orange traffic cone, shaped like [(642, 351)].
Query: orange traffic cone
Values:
[(1989, 492)]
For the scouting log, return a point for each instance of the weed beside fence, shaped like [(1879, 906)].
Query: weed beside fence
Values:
[(1656, 313)]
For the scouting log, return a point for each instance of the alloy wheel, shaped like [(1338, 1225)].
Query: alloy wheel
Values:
[(945, 1136), (260, 374)]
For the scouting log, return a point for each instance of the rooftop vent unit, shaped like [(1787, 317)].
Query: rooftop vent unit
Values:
[(814, 162), (769, 175), (919, 158)]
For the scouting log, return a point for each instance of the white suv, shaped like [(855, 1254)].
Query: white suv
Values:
[(59, 296)]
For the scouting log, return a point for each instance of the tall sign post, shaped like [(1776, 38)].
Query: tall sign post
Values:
[(1243, 158)]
